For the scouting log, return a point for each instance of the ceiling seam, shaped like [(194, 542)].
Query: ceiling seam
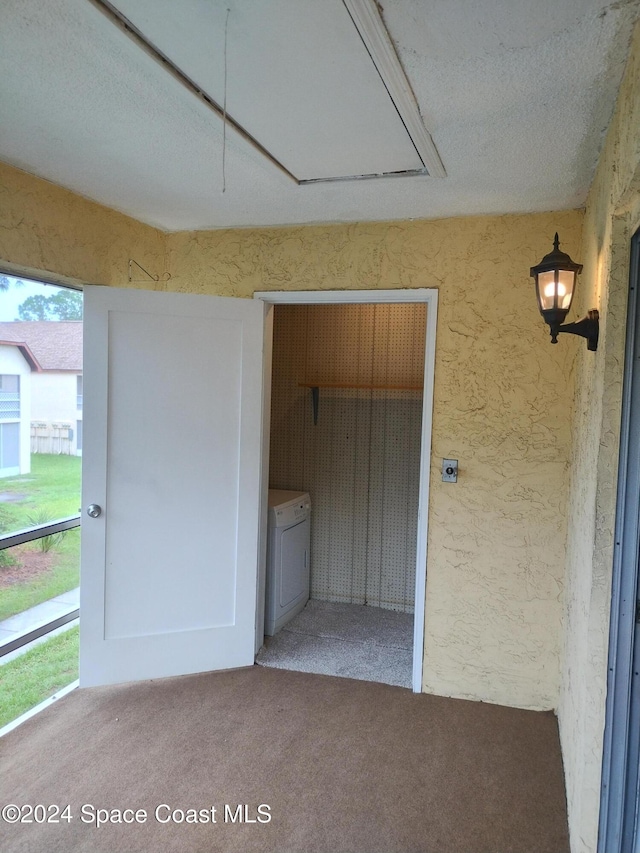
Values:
[(120, 20), (369, 25)]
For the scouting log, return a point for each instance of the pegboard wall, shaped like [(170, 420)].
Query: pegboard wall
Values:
[(360, 462)]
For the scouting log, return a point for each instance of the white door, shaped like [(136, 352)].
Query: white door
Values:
[(171, 456)]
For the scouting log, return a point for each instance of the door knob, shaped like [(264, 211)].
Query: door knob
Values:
[(93, 510)]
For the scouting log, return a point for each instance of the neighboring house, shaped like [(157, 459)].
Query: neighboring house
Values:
[(56, 388), (16, 365)]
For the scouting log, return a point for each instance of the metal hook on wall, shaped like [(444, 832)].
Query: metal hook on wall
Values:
[(165, 276)]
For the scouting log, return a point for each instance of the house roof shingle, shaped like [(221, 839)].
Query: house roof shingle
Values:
[(57, 345)]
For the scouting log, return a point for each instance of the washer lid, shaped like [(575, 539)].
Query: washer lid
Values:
[(283, 497)]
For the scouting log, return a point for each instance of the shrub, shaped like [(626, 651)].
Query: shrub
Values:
[(52, 540)]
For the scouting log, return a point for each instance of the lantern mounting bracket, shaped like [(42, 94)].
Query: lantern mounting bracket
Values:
[(588, 328)]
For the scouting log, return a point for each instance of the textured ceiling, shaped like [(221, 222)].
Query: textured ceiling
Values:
[(516, 95)]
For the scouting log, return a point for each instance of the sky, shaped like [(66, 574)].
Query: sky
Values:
[(11, 299)]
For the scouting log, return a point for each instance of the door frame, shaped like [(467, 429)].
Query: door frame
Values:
[(618, 827), (428, 296)]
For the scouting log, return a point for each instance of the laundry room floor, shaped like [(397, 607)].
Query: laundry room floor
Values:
[(350, 640)]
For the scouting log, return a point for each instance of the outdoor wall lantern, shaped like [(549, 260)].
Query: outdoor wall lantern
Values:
[(555, 278)]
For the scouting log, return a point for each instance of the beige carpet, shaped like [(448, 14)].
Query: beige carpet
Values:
[(343, 765)]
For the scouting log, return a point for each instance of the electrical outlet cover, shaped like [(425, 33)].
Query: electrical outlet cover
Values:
[(449, 470)]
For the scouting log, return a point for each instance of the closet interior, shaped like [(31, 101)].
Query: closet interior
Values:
[(346, 421)]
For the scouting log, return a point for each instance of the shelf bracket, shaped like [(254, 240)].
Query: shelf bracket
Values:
[(315, 402)]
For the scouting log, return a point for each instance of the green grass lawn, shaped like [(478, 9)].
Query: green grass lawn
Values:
[(37, 674), (51, 491), (52, 488), (63, 575)]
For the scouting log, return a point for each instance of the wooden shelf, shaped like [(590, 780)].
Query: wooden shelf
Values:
[(316, 386), (360, 386)]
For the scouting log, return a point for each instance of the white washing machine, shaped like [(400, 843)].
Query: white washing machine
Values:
[(288, 564)]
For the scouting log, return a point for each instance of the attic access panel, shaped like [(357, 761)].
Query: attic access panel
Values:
[(299, 79)]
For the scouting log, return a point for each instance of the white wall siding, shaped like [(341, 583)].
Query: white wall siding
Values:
[(55, 413), (13, 363)]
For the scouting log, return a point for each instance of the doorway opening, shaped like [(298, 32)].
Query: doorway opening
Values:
[(351, 391)]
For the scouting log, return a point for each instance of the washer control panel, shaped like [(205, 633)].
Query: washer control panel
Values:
[(286, 515), (288, 507)]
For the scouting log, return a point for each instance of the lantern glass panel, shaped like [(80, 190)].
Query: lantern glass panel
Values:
[(552, 296)]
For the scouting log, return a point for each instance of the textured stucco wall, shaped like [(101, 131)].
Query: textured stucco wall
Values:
[(502, 395), (502, 407), (612, 215), (55, 235)]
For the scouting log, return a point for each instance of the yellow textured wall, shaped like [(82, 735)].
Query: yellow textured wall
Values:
[(50, 232), (612, 216), (502, 395), (502, 406)]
